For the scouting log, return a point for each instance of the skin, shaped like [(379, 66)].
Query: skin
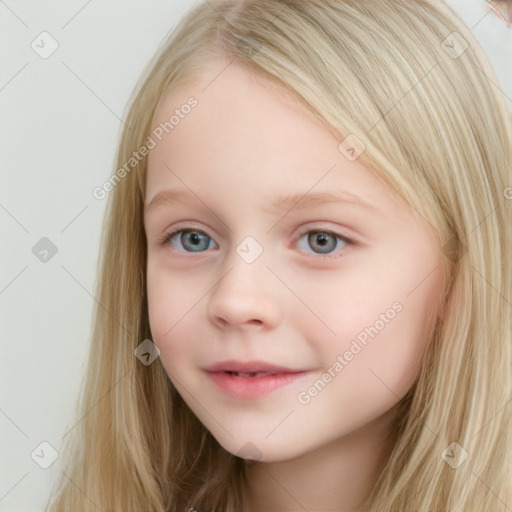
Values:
[(243, 145)]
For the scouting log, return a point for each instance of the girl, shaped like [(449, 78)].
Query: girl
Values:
[(304, 298)]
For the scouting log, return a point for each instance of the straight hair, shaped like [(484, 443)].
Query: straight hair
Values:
[(407, 81)]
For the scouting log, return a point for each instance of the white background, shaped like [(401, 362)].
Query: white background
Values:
[(60, 122)]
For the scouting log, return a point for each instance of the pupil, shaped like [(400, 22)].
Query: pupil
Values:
[(194, 241), (323, 241)]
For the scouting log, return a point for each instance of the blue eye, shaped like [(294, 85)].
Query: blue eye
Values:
[(191, 240), (322, 243)]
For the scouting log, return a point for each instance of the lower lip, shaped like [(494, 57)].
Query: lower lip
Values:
[(248, 388)]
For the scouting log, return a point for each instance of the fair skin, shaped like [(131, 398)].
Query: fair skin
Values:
[(243, 146)]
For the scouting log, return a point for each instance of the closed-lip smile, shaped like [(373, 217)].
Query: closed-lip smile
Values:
[(255, 366), (251, 379)]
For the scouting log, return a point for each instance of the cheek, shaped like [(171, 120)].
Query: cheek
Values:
[(398, 359), (391, 357), (379, 320), (171, 305), (370, 364)]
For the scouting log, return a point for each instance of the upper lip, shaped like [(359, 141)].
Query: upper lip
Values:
[(249, 367)]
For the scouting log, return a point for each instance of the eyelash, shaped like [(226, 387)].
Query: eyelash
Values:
[(348, 241)]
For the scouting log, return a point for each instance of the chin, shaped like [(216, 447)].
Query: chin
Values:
[(259, 451)]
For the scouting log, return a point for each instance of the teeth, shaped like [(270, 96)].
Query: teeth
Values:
[(256, 374)]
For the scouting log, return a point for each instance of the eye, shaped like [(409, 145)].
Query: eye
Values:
[(324, 243), (190, 240)]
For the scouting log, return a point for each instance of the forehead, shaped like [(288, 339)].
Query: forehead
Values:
[(237, 109), (244, 132), (223, 83)]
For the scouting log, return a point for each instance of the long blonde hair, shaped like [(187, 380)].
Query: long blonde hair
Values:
[(409, 82)]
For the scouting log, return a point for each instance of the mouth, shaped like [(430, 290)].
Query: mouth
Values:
[(251, 374), (251, 380), (249, 367)]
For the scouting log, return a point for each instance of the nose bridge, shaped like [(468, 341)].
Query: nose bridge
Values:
[(246, 292), (245, 268)]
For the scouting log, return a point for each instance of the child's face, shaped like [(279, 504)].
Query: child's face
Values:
[(252, 281)]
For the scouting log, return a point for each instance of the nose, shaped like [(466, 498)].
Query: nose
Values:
[(245, 297)]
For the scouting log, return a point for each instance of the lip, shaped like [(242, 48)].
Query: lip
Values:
[(251, 387), (231, 365)]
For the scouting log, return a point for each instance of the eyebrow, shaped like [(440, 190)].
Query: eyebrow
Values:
[(284, 203), (279, 206)]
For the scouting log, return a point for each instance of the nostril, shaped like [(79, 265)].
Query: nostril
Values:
[(224, 321)]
